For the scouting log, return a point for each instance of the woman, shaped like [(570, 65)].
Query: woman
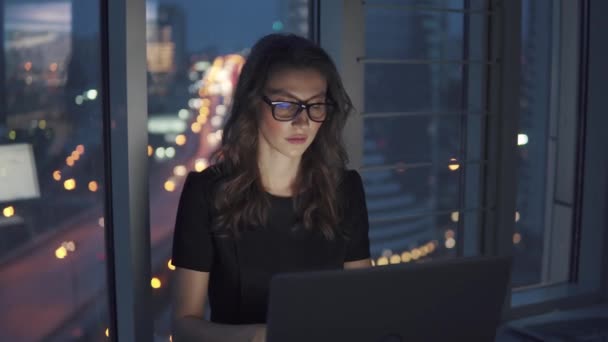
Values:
[(278, 198)]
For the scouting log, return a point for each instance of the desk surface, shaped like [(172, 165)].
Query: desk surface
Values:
[(576, 324)]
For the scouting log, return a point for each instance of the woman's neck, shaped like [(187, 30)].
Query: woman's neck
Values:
[(278, 173)]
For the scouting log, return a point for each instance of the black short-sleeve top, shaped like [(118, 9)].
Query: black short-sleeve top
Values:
[(240, 268)]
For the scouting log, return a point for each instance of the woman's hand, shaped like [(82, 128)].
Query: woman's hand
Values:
[(260, 334)]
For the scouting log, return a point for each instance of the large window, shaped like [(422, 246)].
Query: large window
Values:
[(52, 250), (195, 50), (423, 76)]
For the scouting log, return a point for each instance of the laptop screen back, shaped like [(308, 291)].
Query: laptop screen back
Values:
[(455, 299)]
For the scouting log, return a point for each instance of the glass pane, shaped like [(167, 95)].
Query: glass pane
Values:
[(52, 255), (195, 52), (441, 146), (402, 203), (547, 146)]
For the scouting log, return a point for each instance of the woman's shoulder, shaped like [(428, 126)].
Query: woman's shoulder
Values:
[(350, 183), (350, 177), (208, 177)]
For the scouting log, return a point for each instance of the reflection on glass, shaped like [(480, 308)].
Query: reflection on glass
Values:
[(195, 52), (52, 251)]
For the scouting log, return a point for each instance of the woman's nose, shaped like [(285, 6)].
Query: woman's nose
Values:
[(301, 119)]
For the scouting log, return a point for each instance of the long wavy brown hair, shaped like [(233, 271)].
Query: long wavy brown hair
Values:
[(240, 200)]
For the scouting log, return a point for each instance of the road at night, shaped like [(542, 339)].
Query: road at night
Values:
[(40, 292)]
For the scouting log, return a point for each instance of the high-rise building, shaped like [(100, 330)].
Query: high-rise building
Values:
[(166, 40), (295, 17), (166, 48)]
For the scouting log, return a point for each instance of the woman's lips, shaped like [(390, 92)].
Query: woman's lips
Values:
[(296, 139)]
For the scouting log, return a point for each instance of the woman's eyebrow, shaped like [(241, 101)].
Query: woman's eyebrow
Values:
[(288, 94)]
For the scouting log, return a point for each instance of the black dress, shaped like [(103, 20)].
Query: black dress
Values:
[(241, 269)]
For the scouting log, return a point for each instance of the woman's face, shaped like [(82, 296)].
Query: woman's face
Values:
[(290, 138)]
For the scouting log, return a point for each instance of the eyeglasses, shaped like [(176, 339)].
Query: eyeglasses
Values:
[(287, 110)]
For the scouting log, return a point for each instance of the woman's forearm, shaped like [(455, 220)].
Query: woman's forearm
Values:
[(193, 329)]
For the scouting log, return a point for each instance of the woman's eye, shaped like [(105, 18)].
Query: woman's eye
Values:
[(283, 105)]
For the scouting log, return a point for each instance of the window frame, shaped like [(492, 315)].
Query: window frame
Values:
[(125, 138)]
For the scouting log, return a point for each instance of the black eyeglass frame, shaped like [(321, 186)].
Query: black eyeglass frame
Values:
[(302, 106)]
